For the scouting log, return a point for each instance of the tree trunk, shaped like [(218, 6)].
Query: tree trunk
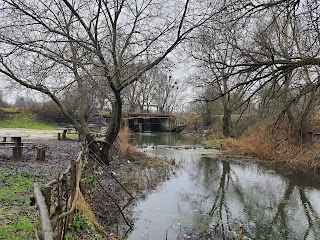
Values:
[(226, 122), (93, 147), (113, 129)]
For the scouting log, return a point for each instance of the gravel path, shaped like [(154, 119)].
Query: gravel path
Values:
[(58, 154)]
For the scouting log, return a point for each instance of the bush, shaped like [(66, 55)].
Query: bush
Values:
[(239, 124), (3, 114), (45, 112)]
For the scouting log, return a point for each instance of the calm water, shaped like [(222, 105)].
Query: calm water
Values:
[(210, 197)]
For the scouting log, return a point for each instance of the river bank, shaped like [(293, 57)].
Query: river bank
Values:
[(135, 172), (217, 196), (168, 201)]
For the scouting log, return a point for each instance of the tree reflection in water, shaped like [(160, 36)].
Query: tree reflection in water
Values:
[(265, 204)]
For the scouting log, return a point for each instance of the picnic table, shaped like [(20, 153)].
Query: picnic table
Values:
[(16, 144)]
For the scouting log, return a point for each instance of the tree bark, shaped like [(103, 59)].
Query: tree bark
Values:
[(45, 218), (113, 129), (226, 122)]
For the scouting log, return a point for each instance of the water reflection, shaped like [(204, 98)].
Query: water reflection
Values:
[(210, 198), (167, 139)]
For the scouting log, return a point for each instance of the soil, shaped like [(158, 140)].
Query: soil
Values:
[(105, 188), (57, 154)]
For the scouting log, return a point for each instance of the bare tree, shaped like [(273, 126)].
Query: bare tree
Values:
[(284, 57), (278, 56), (50, 45), (213, 48)]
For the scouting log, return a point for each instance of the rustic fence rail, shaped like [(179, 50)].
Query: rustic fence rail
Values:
[(59, 195)]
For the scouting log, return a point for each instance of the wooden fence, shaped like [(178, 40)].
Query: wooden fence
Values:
[(56, 200)]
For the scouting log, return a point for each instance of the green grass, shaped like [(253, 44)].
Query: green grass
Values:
[(82, 229), (18, 219), (73, 136), (23, 120)]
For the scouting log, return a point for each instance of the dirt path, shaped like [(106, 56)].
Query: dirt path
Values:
[(58, 153), (33, 133)]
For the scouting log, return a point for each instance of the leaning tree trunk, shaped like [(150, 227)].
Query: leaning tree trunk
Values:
[(113, 129)]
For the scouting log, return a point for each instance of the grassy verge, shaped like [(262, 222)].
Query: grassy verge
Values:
[(18, 220), (22, 120)]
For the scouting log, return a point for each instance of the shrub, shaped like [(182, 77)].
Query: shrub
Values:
[(45, 112), (3, 114)]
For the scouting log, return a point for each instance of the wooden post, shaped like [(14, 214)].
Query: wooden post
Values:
[(41, 153), (17, 150), (73, 180), (59, 211), (64, 135)]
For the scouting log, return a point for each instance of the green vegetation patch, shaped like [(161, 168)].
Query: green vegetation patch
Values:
[(18, 220), (214, 141), (82, 229), (22, 120)]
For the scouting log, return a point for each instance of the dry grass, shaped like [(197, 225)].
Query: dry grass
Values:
[(263, 143), (128, 152), (123, 141), (84, 208)]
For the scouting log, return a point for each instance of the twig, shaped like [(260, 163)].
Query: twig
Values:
[(73, 205), (54, 181), (115, 202)]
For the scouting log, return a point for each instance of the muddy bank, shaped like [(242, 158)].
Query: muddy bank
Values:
[(120, 186)]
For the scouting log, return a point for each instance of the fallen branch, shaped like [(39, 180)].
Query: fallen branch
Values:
[(116, 179), (44, 213)]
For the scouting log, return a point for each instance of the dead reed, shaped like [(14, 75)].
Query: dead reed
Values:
[(276, 146)]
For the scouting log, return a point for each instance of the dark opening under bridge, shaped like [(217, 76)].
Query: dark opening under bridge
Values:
[(153, 122)]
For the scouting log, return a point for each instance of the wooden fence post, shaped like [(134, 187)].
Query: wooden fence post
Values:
[(73, 179)]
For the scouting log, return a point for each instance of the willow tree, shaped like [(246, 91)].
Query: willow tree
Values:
[(49, 46)]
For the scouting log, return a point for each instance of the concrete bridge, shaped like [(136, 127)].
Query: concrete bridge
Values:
[(149, 122)]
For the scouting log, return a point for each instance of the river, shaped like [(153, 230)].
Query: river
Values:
[(213, 196)]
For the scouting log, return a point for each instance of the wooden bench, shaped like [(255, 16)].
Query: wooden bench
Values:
[(40, 150), (15, 144), (12, 143)]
